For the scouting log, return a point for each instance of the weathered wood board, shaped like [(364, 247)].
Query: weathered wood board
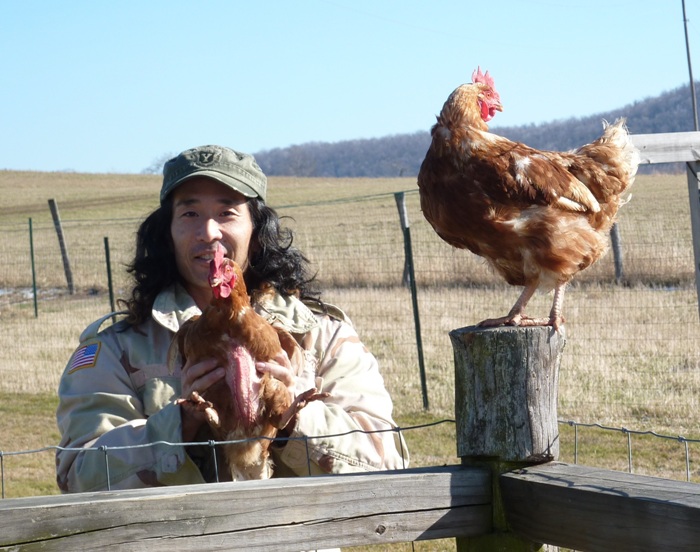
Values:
[(587, 508), (506, 384), (277, 514)]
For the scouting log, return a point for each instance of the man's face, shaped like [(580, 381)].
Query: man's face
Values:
[(207, 213)]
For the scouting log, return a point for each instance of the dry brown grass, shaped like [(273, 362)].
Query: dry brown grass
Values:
[(632, 356)]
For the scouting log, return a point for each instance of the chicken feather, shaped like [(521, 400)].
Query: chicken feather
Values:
[(245, 406), (537, 217)]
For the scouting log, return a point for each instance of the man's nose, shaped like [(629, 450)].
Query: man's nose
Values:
[(210, 230)]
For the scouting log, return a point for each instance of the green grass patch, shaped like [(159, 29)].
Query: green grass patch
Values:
[(28, 423)]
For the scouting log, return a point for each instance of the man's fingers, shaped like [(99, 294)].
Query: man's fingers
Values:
[(281, 373), (201, 376)]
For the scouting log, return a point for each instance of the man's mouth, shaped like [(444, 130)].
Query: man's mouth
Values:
[(207, 256)]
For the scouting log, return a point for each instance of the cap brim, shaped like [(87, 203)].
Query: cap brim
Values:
[(237, 185)]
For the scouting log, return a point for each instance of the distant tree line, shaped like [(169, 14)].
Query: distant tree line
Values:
[(402, 154)]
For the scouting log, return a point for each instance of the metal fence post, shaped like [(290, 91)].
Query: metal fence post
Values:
[(109, 275), (694, 199), (408, 250)]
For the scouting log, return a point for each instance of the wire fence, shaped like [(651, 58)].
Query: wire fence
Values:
[(682, 462), (212, 444), (684, 442), (632, 347), (632, 357)]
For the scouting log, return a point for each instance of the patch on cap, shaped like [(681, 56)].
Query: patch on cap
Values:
[(207, 157)]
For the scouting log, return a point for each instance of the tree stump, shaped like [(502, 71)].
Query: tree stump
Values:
[(506, 382)]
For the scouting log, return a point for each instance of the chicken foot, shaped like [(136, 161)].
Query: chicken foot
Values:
[(517, 317), (299, 402), (196, 403)]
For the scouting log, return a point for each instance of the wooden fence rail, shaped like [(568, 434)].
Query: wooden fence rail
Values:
[(508, 494), (277, 514), (670, 147), (573, 506), (586, 508)]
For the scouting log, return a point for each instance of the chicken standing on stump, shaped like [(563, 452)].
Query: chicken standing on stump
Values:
[(537, 217), (245, 405)]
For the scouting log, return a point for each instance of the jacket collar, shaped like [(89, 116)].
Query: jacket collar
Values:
[(287, 312), (174, 305)]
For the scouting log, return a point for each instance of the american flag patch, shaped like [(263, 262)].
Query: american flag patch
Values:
[(84, 357)]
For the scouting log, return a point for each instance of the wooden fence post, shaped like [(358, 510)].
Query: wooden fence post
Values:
[(506, 383), (62, 244), (616, 243)]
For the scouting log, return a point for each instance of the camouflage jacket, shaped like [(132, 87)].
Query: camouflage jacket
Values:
[(117, 403)]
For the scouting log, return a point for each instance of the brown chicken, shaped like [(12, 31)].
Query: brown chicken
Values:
[(537, 217), (245, 406)]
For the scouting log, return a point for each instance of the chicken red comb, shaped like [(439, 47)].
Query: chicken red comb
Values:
[(483, 78), (222, 277)]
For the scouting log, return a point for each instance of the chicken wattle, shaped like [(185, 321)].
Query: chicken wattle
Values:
[(246, 406), (244, 382)]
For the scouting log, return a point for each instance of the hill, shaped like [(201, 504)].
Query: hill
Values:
[(402, 154)]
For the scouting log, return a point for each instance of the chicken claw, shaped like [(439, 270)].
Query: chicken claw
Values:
[(196, 403), (522, 321), (299, 402)]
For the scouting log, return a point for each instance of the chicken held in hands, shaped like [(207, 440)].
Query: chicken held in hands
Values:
[(537, 217), (245, 406)]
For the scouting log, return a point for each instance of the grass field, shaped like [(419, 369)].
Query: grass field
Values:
[(632, 357)]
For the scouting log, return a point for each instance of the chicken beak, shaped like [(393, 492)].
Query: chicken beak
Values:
[(493, 108)]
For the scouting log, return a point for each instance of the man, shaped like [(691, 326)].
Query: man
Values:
[(117, 396)]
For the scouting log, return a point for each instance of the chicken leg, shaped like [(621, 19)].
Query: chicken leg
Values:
[(517, 317)]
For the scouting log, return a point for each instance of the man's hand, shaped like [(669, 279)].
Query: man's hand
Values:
[(281, 369)]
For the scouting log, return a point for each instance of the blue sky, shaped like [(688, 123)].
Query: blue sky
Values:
[(112, 86)]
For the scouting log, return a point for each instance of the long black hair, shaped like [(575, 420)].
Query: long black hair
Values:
[(273, 259)]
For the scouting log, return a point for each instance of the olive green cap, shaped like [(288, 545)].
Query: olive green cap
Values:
[(237, 170)]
